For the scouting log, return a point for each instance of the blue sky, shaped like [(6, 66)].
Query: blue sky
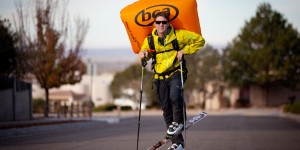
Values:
[(221, 20)]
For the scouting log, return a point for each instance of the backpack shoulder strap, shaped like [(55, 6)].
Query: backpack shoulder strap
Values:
[(175, 43), (151, 41), (176, 47), (152, 46)]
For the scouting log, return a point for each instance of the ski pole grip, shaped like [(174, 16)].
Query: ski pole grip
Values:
[(144, 62)]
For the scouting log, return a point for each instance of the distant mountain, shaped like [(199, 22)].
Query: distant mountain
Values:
[(110, 55), (110, 60)]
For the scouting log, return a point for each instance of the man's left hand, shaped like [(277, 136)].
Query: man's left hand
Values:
[(180, 55)]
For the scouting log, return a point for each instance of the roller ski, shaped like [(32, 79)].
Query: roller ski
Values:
[(174, 130)]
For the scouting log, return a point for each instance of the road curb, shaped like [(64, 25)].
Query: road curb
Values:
[(51, 125), (291, 116)]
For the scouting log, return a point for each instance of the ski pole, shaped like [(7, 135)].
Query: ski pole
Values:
[(184, 110), (144, 63)]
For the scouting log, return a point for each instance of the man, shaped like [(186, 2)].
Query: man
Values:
[(170, 46)]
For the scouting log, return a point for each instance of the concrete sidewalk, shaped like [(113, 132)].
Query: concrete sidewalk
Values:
[(50, 125)]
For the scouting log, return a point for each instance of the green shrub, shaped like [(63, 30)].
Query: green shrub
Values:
[(153, 107), (191, 107), (287, 107), (38, 105), (242, 103), (105, 107), (295, 107), (292, 107), (126, 108)]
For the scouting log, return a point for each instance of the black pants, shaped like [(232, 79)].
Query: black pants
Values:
[(170, 96)]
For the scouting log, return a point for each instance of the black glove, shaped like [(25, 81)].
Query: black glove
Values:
[(144, 62)]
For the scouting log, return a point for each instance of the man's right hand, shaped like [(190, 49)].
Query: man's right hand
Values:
[(144, 62), (143, 54)]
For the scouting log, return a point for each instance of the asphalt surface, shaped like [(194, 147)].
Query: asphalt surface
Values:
[(243, 129)]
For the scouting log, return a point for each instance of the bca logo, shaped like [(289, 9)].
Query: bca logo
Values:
[(146, 16)]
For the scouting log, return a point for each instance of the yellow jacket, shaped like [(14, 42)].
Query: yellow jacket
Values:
[(166, 60)]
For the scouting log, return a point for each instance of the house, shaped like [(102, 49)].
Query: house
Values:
[(66, 98), (271, 96), (94, 87), (219, 96)]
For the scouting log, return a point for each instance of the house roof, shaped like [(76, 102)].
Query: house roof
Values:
[(66, 95)]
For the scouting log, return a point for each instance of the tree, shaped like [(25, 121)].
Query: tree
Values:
[(265, 52), (7, 48), (14, 58), (203, 67), (46, 42), (130, 78)]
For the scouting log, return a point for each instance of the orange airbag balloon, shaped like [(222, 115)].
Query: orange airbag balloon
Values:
[(138, 18)]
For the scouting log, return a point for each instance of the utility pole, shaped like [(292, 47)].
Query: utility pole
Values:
[(91, 88)]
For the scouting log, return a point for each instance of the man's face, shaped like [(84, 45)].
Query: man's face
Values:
[(161, 24)]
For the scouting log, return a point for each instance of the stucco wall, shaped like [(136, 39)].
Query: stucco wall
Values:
[(257, 96), (274, 96)]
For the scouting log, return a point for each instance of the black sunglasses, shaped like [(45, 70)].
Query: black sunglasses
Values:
[(163, 22)]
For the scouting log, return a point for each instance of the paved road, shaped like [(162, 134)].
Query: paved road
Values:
[(216, 132)]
